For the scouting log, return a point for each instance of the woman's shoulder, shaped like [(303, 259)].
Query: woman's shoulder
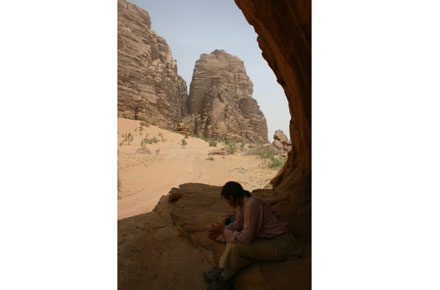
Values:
[(253, 201)]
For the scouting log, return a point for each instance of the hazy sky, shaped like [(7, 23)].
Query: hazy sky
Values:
[(193, 27)]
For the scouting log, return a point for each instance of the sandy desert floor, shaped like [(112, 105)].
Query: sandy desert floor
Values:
[(143, 179)]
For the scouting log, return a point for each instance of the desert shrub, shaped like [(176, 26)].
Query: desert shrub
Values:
[(210, 158), (145, 123), (149, 141), (242, 146), (251, 146), (275, 162), (231, 147), (270, 159), (213, 143), (266, 153), (183, 143), (127, 138), (157, 151)]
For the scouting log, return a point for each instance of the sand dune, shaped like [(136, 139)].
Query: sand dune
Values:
[(143, 178)]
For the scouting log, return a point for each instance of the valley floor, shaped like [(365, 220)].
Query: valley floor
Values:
[(143, 178)]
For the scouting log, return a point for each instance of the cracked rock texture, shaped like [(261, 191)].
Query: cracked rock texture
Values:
[(221, 99), (149, 87)]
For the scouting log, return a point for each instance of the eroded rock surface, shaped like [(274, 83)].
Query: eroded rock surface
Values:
[(280, 142), (149, 86), (284, 36), (170, 246), (221, 98)]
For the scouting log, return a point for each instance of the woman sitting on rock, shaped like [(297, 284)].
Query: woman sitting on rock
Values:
[(257, 234)]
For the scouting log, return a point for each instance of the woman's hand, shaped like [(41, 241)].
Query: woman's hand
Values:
[(216, 230)]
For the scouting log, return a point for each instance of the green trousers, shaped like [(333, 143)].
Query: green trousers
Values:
[(237, 255)]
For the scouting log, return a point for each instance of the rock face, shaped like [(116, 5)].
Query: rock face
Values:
[(284, 36), (221, 99), (149, 86)]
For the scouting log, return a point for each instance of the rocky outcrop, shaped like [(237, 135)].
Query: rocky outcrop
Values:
[(284, 36), (221, 99), (149, 87), (281, 143), (153, 247)]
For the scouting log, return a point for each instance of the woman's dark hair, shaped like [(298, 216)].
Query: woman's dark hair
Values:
[(234, 191)]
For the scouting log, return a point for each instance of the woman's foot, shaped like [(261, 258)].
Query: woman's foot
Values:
[(219, 284), (210, 276)]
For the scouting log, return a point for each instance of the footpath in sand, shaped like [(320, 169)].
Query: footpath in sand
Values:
[(144, 178)]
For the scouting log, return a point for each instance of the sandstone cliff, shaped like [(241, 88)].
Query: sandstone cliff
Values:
[(149, 86), (221, 100), (284, 36)]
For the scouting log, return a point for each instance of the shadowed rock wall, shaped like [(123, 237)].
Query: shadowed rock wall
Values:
[(284, 36)]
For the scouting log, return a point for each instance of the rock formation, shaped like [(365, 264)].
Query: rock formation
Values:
[(284, 36), (281, 143), (221, 99), (149, 86), (170, 246), (284, 29)]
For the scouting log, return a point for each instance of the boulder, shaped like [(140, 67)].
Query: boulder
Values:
[(182, 127), (280, 136), (277, 144)]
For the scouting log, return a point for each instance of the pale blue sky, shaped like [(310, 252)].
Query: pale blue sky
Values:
[(193, 27)]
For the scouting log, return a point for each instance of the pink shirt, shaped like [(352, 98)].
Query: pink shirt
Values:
[(255, 219)]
